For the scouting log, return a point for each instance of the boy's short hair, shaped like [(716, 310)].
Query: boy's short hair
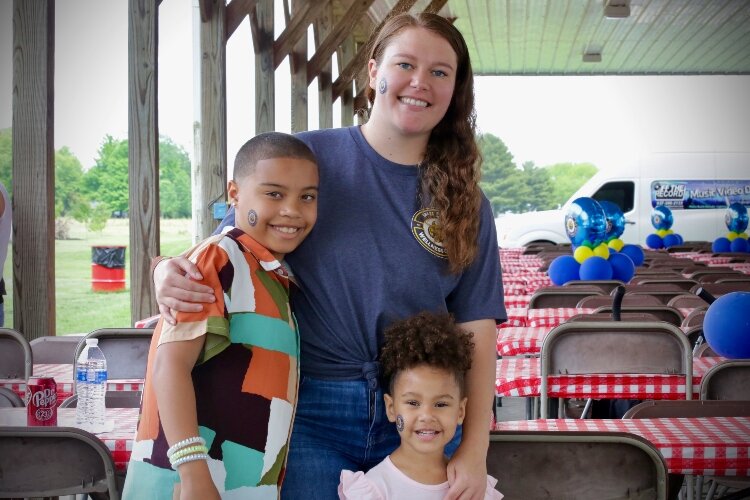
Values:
[(431, 339), (267, 146)]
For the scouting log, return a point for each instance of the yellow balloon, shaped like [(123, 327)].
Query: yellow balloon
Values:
[(582, 253), (616, 244), (731, 235), (602, 251), (742, 235), (670, 231), (662, 232)]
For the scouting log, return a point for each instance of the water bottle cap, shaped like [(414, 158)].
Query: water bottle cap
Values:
[(90, 342)]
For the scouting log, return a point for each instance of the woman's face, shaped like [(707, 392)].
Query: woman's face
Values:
[(413, 83)]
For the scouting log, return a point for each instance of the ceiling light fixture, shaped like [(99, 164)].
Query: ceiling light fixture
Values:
[(592, 57), (617, 8)]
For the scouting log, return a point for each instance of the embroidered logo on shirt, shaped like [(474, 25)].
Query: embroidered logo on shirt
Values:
[(426, 228)]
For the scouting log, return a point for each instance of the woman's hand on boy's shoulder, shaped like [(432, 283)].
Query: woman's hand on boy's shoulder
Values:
[(176, 289)]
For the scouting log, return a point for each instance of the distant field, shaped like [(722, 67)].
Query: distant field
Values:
[(78, 308)]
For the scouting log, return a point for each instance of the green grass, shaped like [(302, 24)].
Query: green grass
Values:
[(78, 308)]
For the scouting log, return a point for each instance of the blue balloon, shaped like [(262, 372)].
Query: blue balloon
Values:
[(726, 325), (563, 269), (615, 220), (739, 245), (661, 217), (585, 222), (679, 238), (671, 240), (720, 245), (654, 241), (635, 253), (623, 268), (595, 268), (736, 218)]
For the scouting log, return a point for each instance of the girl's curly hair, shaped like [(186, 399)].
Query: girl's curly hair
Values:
[(431, 339)]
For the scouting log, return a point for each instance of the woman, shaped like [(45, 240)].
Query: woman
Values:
[(402, 228)]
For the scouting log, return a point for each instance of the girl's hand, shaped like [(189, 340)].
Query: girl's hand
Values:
[(176, 291), (467, 475)]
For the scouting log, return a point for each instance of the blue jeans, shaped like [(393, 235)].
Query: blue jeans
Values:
[(338, 425)]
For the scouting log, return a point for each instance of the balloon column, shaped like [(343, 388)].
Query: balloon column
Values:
[(736, 239), (665, 237), (594, 229), (726, 325)]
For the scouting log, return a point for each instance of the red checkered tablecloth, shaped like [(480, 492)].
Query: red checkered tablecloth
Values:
[(551, 317), (516, 317), (521, 377), (119, 439), (716, 446), (63, 375), (517, 301), (519, 340)]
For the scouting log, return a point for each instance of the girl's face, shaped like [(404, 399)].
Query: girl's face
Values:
[(429, 402), (413, 83), (283, 194)]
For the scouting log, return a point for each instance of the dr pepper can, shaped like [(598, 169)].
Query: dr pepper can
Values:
[(41, 402)]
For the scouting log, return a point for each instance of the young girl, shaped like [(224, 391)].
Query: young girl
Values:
[(221, 384), (403, 227), (425, 359)]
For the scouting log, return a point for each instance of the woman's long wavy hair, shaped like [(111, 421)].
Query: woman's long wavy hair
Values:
[(451, 167)]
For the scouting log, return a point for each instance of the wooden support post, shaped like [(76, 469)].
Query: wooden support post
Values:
[(298, 67), (265, 120), (33, 167), (345, 52), (143, 152), (210, 169), (322, 30)]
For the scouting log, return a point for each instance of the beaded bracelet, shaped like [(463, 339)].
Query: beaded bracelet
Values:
[(186, 451), (189, 458), (186, 442)]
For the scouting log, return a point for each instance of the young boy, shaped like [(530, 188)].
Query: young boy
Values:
[(221, 384)]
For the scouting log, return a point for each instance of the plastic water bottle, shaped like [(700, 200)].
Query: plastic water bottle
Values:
[(91, 386)]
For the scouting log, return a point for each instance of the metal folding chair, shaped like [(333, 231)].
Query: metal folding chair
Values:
[(615, 347), (580, 465), (126, 350), (9, 399), (54, 349), (728, 380), (15, 355), (551, 297), (55, 461)]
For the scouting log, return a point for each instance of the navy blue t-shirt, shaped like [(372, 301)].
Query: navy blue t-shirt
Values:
[(374, 257)]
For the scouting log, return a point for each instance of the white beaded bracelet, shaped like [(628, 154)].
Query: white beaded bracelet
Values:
[(189, 458), (185, 442)]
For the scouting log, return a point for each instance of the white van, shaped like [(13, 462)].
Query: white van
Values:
[(695, 186)]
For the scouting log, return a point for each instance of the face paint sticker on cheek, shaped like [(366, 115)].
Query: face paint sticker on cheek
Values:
[(399, 423), (252, 217), (382, 86)]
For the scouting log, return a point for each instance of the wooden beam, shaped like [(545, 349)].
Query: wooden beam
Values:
[(322, 30), (206, 9), (264, 68), (435, 6), (143, 152), (326, 48), (345, 52), (210, 169), (296, 29), (298, 68), (33, 167), (235, 12), (358, 61)]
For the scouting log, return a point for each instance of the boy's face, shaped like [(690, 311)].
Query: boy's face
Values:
[(281, 198), (429, 402)]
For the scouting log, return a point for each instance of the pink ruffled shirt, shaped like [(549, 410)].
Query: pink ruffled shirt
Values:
[(386, 482)]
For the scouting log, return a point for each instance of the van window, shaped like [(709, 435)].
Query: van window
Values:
[(620, 193)]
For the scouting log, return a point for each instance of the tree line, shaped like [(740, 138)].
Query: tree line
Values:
[(93, 195)]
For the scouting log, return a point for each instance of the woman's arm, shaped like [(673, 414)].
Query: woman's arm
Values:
[(176, 289), (175, 396), (467, 469)]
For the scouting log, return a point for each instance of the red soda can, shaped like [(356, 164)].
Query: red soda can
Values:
[(41, 402)]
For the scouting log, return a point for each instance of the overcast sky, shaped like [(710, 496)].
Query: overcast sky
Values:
[(605, 120)]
